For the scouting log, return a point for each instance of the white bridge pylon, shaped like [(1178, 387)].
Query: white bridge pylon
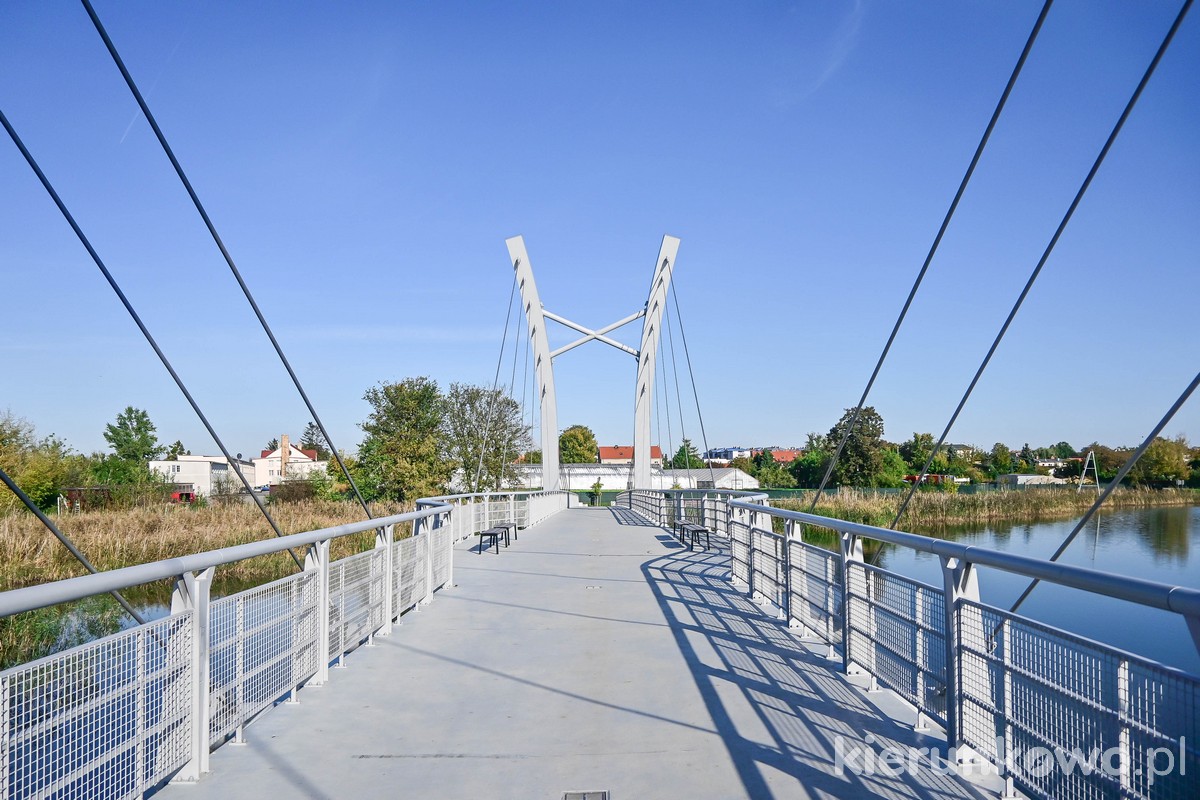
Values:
[(646, 355)]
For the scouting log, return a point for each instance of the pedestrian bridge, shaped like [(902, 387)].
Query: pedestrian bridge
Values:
[(596, 653)]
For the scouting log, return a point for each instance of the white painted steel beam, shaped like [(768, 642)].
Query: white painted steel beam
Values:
[(643, 403), (542, 359), (597, 335)]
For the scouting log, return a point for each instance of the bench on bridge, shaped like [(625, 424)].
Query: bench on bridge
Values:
[(690, 533), (492, 536)]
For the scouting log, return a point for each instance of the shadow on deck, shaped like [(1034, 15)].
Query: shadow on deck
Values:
[(593, 654)]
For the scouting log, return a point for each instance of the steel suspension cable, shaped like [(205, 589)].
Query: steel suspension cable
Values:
[(692, 376), (687, 459), (138, 321), (664, 403), (187, 184), (66, 542), (1116, 481), (1087, 182), (487, 417), (937, 241), (504, 430)]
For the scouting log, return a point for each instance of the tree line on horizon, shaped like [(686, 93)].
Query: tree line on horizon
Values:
[(870, 461), (417, 437)]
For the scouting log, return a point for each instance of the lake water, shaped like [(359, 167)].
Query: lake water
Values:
[(1159, 544)]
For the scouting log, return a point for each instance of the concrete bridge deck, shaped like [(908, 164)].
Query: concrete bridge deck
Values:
[(593, 654)]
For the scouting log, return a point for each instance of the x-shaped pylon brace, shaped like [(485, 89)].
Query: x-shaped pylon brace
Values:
[(598, 335)]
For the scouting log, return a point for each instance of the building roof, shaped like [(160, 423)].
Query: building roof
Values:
[(626, 453), (781, 456), (312, 454)]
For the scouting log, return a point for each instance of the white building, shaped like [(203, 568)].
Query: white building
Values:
[(616, 477), (200, 474), (272, 467)]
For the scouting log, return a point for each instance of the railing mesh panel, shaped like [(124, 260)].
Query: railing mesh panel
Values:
[(412, 572), (1131, 727), (896, 632), (105, 719), (739, 548), (441, 555), (766, 561), (262, 645), (816, 590), (355, 600)]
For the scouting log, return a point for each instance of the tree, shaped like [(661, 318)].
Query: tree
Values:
[(1164, 462), (1063, 450), (176, 450), (916, 450), (484, 433), (861, 462), (532, 457), (41, 467), (578, 445), (132, 437), (809, 468), (1108, 460), (402, 456), (770, 473), (272, 445), (1027, 458), (999, 460), (893, 469), (313, 439), (686, 457)]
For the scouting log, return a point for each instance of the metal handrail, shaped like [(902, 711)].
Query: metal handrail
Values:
[(30, 598), (1180, 599)]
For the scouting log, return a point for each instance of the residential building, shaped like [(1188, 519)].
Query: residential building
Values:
[(200, 475), (624, 455), (286, 462)]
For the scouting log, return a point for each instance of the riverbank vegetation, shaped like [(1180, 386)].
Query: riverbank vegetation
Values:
[(932, 511)]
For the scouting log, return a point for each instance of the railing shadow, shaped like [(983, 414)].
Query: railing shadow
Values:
[(779, 707), (627, 516)]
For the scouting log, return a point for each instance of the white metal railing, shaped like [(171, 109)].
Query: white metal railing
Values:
[(1003, 686), (121, 715)]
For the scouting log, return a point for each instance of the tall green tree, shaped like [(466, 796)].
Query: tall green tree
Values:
[(1000, 460), (41, 467), (313, 439), (176, 450), (809, 468), (485, 434), (916, 450), (861, 462), (132, 436), (686, 457), (1164, 462), (771, 474), (577, 445), (402, 455), (1027, 458)]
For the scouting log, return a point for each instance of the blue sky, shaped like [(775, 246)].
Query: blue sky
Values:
[(365, 162)]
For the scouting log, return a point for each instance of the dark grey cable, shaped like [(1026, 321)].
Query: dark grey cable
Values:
[(162, 140), (487, 419), (1112, 137), (692, 376), (66, 542), (937, 240), (138, 321)]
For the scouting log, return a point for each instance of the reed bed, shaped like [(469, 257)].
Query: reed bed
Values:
[(930, 512), (29, 554)]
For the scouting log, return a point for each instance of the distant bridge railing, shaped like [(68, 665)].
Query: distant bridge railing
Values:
[(1025, 697), (121, 715)]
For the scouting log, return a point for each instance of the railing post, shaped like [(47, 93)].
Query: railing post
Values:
[(752, 593), (512, 509), (317, 560), (384, 538), (852, 553), (789, 532), (444, 519), (426, 529), (191, 594), (960, 581)]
